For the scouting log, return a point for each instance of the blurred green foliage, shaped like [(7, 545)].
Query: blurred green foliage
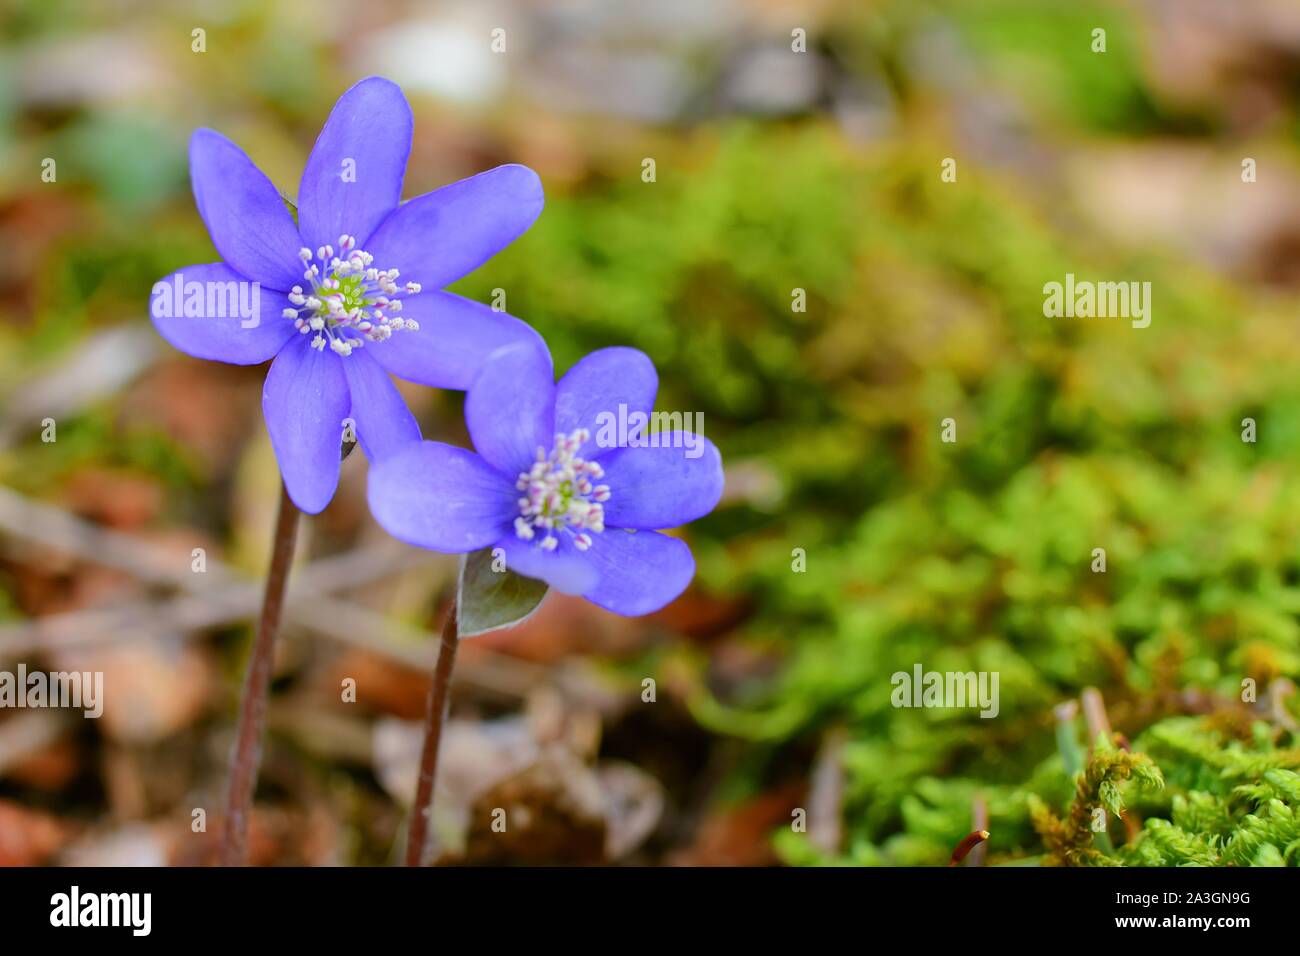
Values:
[(1072, 435)]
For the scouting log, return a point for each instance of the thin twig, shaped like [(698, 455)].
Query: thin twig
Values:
[(979, 814), (435, 716), (1094, 712), (224, 604), (257, 685), (826, 793), (97, 367), (55, 528), (1278, 692), (233, 598)]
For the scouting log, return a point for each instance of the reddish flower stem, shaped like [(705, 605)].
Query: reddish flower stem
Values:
[(435, 716), (966, 845), (257, 685)]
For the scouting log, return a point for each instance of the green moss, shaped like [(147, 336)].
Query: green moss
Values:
[(973, 556)]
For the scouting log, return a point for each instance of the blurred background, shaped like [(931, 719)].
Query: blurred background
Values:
[(776, 170)]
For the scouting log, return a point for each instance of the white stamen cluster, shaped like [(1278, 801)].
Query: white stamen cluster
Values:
[(350, 300), (561, 495)]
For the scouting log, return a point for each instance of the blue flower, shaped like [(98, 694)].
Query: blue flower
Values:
[(548, 486), (349, 294)]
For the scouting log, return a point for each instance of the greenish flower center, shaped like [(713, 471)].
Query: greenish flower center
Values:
[(350, 301), (561, 495)]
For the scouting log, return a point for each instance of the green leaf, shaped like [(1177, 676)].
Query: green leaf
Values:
[(490, 599)]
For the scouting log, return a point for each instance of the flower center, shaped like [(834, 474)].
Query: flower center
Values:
[(349, 300), (561, 495)]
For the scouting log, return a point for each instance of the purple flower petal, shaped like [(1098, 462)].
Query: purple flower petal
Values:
[(440, 497), (305, 400), (510, 408), (384, 423), (590, 393), (566, 569), (353, 178), (245, 215), (639, 573), (662, 487), (215, 331), (441, 236), (455, 338)]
